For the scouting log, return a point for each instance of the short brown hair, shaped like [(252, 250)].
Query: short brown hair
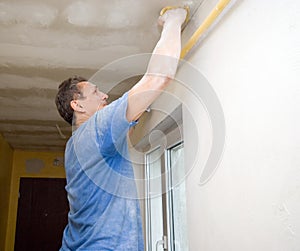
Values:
[(67, 91)]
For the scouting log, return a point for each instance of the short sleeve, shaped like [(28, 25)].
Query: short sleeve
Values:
[(112, 126)]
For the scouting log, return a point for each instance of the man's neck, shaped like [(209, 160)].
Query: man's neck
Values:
[(79, 120)]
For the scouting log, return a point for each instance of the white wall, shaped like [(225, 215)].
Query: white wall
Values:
[(252, 60)]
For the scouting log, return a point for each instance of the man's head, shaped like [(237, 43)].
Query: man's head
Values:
[(77, 95)]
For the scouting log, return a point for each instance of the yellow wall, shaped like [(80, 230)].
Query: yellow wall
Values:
[(6, 157), (18, 171)]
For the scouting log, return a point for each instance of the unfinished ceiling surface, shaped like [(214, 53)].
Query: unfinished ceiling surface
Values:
[(43, 43)]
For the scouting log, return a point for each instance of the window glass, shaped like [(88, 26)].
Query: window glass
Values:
[(178, 198)]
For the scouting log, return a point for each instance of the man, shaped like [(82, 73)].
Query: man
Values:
[(104, 210)]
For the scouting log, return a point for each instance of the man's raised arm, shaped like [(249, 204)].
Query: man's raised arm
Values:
[(162, 66)]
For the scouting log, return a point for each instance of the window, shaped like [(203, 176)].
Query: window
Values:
[(166, 225)]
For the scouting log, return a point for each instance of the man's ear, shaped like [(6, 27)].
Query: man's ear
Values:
[(76, 106)]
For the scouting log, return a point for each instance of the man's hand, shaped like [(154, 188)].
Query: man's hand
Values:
[(177, 14)]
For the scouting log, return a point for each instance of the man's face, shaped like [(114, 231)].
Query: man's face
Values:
[(93, 99)]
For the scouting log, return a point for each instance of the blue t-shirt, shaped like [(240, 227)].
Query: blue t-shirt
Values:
[(104, 209)]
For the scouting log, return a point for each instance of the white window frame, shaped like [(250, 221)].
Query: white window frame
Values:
[(174, 138)]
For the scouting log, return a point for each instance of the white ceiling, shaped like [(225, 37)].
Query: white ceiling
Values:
[(45, 42)]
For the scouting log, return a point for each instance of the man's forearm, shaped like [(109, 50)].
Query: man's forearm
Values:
[(166, 53)]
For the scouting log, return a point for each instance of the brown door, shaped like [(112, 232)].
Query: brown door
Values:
[(42, 214)]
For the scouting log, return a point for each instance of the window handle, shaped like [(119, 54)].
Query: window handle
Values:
[(163, 242)]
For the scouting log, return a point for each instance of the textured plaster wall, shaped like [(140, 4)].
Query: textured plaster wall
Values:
[(251, 59)]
